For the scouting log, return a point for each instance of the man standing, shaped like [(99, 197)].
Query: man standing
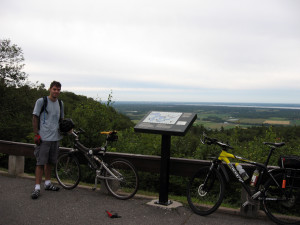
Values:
[(46, 115)]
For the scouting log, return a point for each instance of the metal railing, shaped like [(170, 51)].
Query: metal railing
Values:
[(147, 163)]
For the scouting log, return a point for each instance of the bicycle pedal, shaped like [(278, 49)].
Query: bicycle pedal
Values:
[(246, 203), (257, 194)]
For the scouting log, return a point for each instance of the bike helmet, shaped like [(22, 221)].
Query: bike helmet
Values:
[(66, 125)]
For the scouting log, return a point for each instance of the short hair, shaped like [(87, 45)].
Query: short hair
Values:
[(56, 84)]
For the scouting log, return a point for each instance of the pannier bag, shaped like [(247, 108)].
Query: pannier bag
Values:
[(289, 161)]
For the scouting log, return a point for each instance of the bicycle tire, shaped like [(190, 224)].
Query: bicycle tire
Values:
[(205, 202), (282, 211), (67, 171), (128, 186)]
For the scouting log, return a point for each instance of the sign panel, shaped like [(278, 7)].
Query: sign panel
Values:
[(170, 123)]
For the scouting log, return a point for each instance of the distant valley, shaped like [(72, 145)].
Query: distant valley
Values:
[(219, 115)]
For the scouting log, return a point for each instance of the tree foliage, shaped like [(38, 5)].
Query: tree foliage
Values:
[(94, 117), (11, 64)]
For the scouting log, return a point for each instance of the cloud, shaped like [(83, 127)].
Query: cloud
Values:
[(173, 48)]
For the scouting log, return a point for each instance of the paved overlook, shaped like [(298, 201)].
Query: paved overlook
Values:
[(84, 206)]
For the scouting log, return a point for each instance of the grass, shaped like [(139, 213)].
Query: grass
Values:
[(295, 122), (251, 121), (3, 169), (278, 122)]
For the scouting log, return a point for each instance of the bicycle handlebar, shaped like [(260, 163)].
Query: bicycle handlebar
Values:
[(213, 141)]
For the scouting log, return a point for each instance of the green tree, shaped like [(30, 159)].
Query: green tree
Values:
[(11, 64), (16, 112), (94, 117)]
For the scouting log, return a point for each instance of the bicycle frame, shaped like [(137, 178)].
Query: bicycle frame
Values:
[(277, 189), (88, 154), (119, 176), (225, 156), (114, 177)]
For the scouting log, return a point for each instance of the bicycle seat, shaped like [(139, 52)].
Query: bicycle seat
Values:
[(276, 145)]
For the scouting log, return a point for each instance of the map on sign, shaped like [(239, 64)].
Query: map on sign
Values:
[(162, 117)]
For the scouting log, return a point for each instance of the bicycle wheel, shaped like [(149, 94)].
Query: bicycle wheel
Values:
[(282, 205), (126, 184), (205, 199), (67, 171)]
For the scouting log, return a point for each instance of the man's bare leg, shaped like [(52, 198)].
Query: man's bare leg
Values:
[(48, 171), (48, 185), (38, 180), (39, 174)]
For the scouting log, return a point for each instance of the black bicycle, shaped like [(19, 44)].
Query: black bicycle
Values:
[(120, 176), (277, 189)]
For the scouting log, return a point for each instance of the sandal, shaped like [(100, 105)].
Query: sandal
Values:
[(35, 194), (51, 187)]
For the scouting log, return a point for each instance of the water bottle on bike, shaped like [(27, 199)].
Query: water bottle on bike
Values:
[(241, 171)]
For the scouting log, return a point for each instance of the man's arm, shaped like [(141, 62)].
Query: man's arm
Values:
[(35, 124)]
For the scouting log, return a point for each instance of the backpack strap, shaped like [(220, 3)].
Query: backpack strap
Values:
[(60, 106), (44, 107)]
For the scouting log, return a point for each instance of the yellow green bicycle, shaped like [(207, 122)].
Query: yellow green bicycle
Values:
[(277, 189)]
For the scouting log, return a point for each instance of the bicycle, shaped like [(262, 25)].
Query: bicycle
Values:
[(120, 176), (279, 194)]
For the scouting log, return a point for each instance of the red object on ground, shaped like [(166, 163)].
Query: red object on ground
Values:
[(115, 215)]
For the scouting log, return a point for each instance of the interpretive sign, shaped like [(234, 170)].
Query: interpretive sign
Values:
[(172, 123), (167, 124), (162, 117)]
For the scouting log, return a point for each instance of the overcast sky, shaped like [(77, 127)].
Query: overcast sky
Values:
[(161, 50)]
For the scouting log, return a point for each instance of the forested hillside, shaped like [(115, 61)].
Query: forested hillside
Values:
[(17, 105)]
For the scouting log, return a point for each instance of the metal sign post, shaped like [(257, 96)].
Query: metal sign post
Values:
[(166, 124), (164, 170)]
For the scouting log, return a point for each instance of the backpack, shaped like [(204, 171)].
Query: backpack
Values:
[(44, 108)]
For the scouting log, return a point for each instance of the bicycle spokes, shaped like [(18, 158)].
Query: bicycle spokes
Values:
[(205, 193), (282, 204), (121, 179)]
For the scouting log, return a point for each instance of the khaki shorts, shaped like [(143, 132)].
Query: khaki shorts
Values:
[(46, 153)]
